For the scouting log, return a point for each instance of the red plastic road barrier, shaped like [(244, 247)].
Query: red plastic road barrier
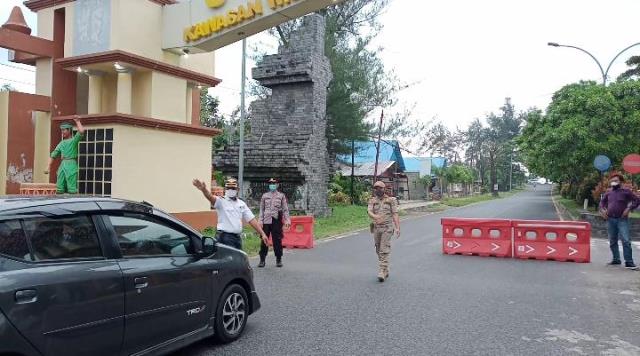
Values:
[(479, 237), (552, 240), (300, 235)]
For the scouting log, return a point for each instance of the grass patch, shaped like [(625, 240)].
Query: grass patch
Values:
[(463, 201), (250, 242), (576, 208), (344, 219)]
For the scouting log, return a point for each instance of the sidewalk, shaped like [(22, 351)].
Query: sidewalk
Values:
[(411, 205)]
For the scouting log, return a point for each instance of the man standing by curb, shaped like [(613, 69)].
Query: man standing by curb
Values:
[(615, 207), (274, 212), (383, 210)]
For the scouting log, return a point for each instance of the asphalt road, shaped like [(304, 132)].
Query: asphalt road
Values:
[(327, 301)]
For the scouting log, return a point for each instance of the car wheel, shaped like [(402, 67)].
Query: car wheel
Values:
[(232, 313)]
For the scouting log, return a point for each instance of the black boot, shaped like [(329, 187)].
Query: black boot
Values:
[(261, 264), (279, 262)]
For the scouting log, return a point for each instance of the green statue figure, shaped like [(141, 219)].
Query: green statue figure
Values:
[(67, 150)]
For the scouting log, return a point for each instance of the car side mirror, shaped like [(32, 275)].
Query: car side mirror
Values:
[(208, 246)]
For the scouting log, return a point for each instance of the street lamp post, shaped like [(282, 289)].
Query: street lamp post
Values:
[(603, 72)]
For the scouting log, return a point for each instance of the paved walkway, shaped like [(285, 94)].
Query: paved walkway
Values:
[(416, 204)]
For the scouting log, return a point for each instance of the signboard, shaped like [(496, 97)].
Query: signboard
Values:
[(602, 163), (206, 25), (631, 163)]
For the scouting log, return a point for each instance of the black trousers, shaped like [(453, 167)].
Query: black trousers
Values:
[(275, 231), (233, 240)]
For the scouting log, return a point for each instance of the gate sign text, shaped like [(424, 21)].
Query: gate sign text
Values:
[(206, 25)]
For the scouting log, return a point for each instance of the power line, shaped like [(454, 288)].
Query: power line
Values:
[(17, 81), (17, 67)]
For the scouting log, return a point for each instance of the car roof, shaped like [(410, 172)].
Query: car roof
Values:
[(12, 202)]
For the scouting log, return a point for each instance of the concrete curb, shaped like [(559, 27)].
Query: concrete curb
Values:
[(562, 212)]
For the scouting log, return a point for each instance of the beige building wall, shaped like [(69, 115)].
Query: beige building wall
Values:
[(42, 147), (109, 92), (158, 166), (136, 27), (167, 98), (202, 63), (141, 93), (4, 137), (45, 23), (69, 13)]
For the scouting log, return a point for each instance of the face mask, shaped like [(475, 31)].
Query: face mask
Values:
[(379, 193), (615, 185), (273, 187), (231, 193)]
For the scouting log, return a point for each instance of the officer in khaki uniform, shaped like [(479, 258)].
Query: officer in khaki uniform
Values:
[(383, 210)]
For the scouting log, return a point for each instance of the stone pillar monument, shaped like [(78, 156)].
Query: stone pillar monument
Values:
[(288, 128)]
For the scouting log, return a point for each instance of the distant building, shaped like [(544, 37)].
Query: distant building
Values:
[(418, 167), (401, 173), (391, 165)]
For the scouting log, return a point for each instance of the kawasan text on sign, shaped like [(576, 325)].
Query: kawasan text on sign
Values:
[(231, 18)]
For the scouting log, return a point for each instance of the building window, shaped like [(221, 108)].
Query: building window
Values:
[(95, 161)]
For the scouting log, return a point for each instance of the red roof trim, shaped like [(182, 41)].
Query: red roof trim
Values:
[(125, 57), (139, 121)]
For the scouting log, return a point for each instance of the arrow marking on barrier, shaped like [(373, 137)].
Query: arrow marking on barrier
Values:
[(573, 251), (453, 244), (529, 249), (551, 250), (495, 246)]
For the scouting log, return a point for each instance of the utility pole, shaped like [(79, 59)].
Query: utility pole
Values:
[(353, 159), (511, 172), (242, 117), (375, 169)]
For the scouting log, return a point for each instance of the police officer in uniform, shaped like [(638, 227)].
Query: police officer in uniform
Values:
[(383, 211), (232, 212), (274, 213)]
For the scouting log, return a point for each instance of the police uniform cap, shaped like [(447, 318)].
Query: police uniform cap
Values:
[(231, 183)]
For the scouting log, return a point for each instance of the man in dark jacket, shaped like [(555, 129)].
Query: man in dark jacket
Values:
[(615, 207)]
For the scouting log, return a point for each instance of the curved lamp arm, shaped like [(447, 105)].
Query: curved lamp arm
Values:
[(604, 75)]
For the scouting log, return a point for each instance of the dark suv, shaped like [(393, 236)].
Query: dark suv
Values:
[(97, 276)]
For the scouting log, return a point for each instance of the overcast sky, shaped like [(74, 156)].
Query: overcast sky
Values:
[(464, 56)]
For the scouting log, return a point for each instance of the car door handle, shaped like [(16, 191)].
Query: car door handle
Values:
[(140, 282), (26, 296)]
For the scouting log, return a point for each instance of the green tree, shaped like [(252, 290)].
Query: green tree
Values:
[(6, 87), (459, 173), (583, 120), (497, 141), (632, 73), (210, 116), (438, 139)]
